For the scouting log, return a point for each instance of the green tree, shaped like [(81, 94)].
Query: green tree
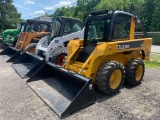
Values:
[(64, 11), (155, 22), (131, 6), (145, 13), (80, 11), (8, 15), (146, 10), (84, 7)]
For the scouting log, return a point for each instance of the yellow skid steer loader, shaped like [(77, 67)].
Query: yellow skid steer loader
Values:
[(110, 54)]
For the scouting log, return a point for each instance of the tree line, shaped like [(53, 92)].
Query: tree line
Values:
[(147, 10), (8, 15)]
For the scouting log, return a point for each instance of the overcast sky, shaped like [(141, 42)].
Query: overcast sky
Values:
[(35, 8)]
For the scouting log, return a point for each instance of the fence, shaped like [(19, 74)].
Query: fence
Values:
[(155, 36)]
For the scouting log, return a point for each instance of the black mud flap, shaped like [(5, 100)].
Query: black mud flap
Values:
[(10, 54), (63, 91), (27, 64)]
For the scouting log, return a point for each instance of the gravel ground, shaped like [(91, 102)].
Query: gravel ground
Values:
[(155, 49), (19, 102)]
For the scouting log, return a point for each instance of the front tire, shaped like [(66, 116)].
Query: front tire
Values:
[(134, 71), (110, 77), (58, 58), (31, 48), (15, 41)]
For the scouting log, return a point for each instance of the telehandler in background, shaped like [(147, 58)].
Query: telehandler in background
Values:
[(50, 48), (28, 40), (110, 54), (10, 35)]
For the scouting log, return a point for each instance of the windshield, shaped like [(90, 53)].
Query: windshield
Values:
[(22, 27), (98, 30), (55, 29), (29, 27)]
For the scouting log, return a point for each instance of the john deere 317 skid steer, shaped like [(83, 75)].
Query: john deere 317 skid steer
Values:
[(27, 41), (110, 54)]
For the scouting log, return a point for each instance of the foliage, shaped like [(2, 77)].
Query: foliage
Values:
[(155, 22), (84, 7), (154, 61), (64, 11), (80, 11), (8, 15), (146, 10)]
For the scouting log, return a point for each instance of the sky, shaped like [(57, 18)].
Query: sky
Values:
[(34, 8)]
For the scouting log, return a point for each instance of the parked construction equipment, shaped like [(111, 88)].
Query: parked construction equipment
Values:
[(10, 35), (34, 31), (50, 48), (108, 55)]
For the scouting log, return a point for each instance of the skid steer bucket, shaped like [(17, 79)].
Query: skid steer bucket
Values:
[(5, 46), (27, 64), (63, 91), (10, 54)]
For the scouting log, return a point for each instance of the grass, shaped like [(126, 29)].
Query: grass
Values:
[(154, 61)]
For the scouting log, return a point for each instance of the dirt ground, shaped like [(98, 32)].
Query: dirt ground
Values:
[(19, 102)]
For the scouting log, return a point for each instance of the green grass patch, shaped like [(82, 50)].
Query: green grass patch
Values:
[(154, 61)]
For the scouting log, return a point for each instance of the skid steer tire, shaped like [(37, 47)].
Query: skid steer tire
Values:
[(31, 48), (134, 71), (15, 41), (110, 77), (58, 58)]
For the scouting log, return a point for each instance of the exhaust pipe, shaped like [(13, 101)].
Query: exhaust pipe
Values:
[(27, 64), (62, 90)]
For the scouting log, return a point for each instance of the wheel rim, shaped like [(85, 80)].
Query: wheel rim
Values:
[(115, 78), (139, 72), (32, 50), (60, 60)]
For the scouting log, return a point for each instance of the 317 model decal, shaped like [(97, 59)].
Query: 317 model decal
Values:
[(127, 45)]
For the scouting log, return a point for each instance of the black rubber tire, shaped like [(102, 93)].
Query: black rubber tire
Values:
[(30, 46), (131, 67), (56, 55), (104, 74), (15, 41)]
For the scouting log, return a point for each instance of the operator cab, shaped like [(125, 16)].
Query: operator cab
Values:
[(22, 26), (62, 26), (37, 26), (106, 26)]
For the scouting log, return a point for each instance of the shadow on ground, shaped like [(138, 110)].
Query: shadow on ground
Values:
[(1, 46), (103, 97)]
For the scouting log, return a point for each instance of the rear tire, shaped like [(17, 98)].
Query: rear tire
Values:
[(134, 71), (58, 57), (31, 48), (110, 77), (15, 41)]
